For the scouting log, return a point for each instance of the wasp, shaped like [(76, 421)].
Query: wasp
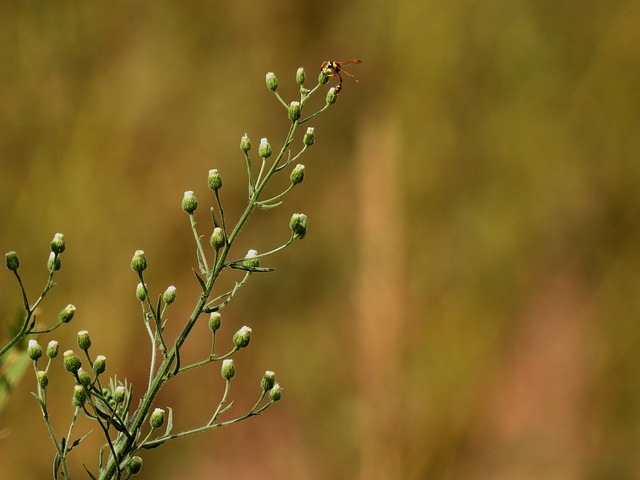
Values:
[(332, 68)]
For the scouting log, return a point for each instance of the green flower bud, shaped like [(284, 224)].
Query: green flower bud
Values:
[(332, 96), (295, 111), (120, 394), (250, 260), (34, 350), (42, 378), (141, 292), (135, 465), (275, 393), (84, 340), (215, 180), (139, 261), (57, 244), (300, 77), (297, 174), (264, 149), (217, 238), (157, 418), (100, 365), (71, 361), (214, 321), (52, 349), (79, 395), (271, 81), (323, 77), (268, 380), (84, 378), (169, 295), (189, 202), (298, 225), (242, 337), (66, 314), (54, 263), (228, 369), (309, 137), (245, 143), (12, 261)]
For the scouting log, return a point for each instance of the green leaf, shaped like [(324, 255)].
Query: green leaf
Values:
[(88, 472), (268, 206), (239, 266), (169, 422), (200, 281), (77, 441)]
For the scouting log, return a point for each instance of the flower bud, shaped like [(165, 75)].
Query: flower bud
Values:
[(271, 81), (214, 321), (309, 137), (141, 292), (54, 263), (297, 174), (215, 180), (71, 361), (66, 314), (268, 380), (119, 394), (84, 378), (84, 340), (295, 111), (34, 350), (100, 365), (250, 259), (300, 77), (323, 77), (43, 379), (332, 96), (169, 295), (217, 238), (245, 143), (135, 465), (12, 261), (79, 395), (275, 393), (298, 225), (189, 202), (52, 349), (157, 418), (139, 261), (228, 369), (57, 244), (264, 149), (242, 337)]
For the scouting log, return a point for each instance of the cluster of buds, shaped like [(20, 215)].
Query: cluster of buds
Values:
[(269, 384), (57, 247)]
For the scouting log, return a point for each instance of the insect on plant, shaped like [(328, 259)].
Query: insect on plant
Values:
[(332, 68)]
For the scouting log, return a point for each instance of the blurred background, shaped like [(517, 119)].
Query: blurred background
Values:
[(466, 304)]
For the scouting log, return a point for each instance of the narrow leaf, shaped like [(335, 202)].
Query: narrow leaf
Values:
[(200, 281), (88, 472), (169, 422)]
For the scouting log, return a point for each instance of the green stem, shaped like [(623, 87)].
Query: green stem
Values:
[(167, 365), (25, 329)]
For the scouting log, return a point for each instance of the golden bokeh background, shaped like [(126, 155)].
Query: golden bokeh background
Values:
[(466, 304)]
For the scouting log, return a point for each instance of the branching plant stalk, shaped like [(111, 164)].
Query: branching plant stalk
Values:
[(127, 445)]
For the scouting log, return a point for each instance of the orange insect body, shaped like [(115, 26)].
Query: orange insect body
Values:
[(331, 68)]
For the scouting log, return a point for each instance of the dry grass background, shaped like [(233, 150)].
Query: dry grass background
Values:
[(466, 302)]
